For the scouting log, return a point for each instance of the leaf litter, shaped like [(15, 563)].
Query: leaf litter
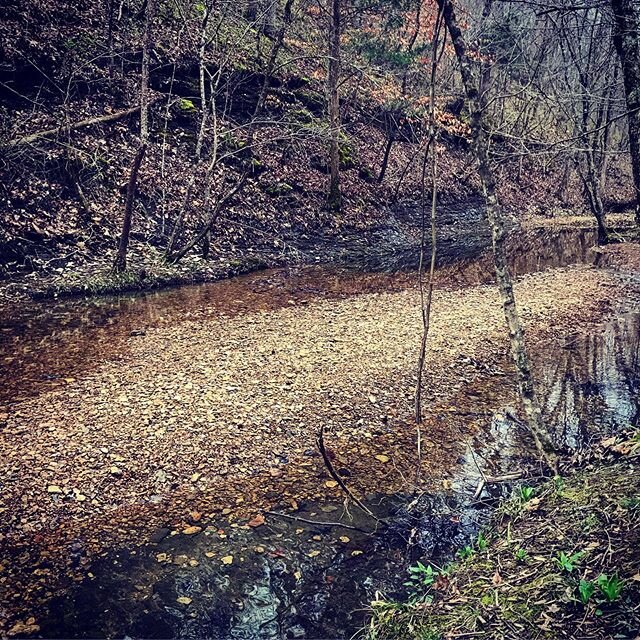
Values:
[(219, 417)]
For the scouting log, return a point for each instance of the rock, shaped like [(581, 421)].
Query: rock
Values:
[(115, 471)]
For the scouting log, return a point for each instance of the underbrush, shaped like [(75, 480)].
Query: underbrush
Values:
[(560, 561)]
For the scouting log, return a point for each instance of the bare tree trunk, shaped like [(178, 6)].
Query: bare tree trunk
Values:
[(111, 8), (427, 298), (120, 262), (496, 222), (385, 157), (271, 63), (627, 42), (201, 77), (213, 217), (144, 76), (592, 188), (335, 197)]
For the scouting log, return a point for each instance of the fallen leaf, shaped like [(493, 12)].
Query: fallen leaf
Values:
[(257, 521), (330, 484), (345, 539), (189, 531), (227, 559), (184, 600), (382, 458), (54, 488), (314, 553)]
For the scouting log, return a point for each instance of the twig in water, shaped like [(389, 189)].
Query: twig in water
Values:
[(339, 480), (315, 522)]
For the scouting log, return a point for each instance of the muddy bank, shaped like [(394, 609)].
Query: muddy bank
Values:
[(559, 560), (390, 245)]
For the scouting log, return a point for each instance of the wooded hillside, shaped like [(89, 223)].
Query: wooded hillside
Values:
[(244, 151)]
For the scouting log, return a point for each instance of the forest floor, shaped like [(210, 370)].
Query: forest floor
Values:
[(216, 416)]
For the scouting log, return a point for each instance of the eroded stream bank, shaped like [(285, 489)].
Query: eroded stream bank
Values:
[(206, 417)]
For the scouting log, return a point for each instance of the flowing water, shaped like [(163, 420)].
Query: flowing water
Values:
[(309, 574)]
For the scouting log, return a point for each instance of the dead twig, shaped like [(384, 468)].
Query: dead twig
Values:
[(315, 522), (340, 481)]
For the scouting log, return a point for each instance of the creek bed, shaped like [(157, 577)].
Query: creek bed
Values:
[(287, 577)]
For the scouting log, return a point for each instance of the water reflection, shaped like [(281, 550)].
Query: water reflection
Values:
[(590, 390), (592, 387)]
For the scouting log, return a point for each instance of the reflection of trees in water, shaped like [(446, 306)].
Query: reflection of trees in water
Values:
[(593, 384)]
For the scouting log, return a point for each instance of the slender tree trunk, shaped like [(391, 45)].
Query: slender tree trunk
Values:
[(201, 78), (111, 8), (627, 42), (271, 63), (120, 262), (496, 222), (385, 157), (144, 76), (335, 197), (591, 183), (426, 298)]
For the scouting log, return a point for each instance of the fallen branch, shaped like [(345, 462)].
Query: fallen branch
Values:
[(509, 477), (314, 522), (340, 481), (111, 117)]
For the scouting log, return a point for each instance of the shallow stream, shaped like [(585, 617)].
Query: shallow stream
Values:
[(311, 573)]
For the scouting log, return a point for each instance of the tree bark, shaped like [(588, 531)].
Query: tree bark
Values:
[(335, 196), (201, 79), (120, 262), (494, 214), (271, 63), (110, 117), (626, 38), (385, 157)]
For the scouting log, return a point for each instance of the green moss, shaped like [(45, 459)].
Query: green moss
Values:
[(279, 189)]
